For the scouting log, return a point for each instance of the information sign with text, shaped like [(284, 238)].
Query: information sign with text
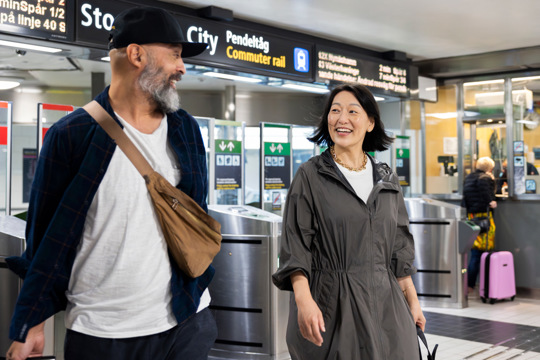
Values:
[(45, 19), (341, 66), (277, 165), (228, 164)]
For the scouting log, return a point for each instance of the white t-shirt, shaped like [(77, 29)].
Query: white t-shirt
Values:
[(361, 181), (120, 282)]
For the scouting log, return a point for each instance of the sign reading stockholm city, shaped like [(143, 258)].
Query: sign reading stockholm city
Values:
[(45, 19), (230, 47), (340, 66)]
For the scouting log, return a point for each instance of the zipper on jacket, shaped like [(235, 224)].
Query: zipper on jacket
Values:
[(375, 305)]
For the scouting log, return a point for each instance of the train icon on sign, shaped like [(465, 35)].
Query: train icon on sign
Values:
[(301, 60)]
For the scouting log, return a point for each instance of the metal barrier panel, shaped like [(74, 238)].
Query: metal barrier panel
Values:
[(11, 243), (251, 313), (443, 239)]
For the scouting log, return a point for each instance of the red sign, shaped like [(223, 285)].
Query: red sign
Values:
[(3, 134), (43, 132), (57, 107)]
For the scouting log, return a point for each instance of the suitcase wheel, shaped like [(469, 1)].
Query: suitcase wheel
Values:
[(483, 299), (492, 301), (512, 298)]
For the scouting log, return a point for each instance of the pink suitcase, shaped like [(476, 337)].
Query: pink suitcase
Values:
[(497, 276)]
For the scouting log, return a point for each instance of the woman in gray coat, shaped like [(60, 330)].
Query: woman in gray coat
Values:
[(346, 249)]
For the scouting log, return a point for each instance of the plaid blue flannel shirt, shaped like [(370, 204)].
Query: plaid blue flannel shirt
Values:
[(74, 158)]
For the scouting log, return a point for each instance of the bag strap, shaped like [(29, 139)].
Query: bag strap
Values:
[(119, 136), (487, 232), (431, 355)]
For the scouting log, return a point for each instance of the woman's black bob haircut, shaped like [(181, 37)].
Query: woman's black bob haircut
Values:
[(376, 140)]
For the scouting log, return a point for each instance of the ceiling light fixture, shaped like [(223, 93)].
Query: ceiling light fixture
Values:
[(474, 83), (19, 45), (308, 88), (7, 83), (231, 77), (527, 78), (451, 115), (29, 90)]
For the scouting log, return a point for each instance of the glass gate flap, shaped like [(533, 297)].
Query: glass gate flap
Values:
[(48, 114), (276, 165), (224, 143), (6, 118)]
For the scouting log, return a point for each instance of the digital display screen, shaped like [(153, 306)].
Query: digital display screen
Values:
[(340, 66), (44, 19)]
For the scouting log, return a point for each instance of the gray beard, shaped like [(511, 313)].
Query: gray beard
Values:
[(166, 98)]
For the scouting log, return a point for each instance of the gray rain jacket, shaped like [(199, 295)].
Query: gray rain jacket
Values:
[(351, 253)]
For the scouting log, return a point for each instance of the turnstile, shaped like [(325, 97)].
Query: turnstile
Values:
[(11, 244), (443, 238), (251, 313)]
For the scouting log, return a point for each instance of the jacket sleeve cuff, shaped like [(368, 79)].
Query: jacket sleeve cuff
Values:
[(402, 268), (18, 265), (282, 278)]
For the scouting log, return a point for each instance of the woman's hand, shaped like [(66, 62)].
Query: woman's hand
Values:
[(310, 321), (409, 291), (418, 315), (310, 318), (493, 204)]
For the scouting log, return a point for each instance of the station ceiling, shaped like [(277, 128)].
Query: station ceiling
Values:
[(444, 39)]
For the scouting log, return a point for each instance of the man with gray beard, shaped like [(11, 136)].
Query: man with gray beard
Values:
[(94, 244), (161, 92)]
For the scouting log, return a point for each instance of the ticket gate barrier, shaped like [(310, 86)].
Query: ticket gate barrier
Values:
[(443, 238), (251, 313), (11, 244)]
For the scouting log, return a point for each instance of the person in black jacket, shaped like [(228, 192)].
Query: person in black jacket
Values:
[(478, 199)]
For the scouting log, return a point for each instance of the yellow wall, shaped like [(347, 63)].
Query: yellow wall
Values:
[(437, 129), (532, 139), (415, 115)]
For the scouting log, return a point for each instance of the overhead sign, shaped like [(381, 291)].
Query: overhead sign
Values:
[(45, 19), (94, 20), (230, 47), (341, 66), (246, 50)]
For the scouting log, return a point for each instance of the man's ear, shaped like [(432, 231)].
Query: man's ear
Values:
[(135, 54)]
